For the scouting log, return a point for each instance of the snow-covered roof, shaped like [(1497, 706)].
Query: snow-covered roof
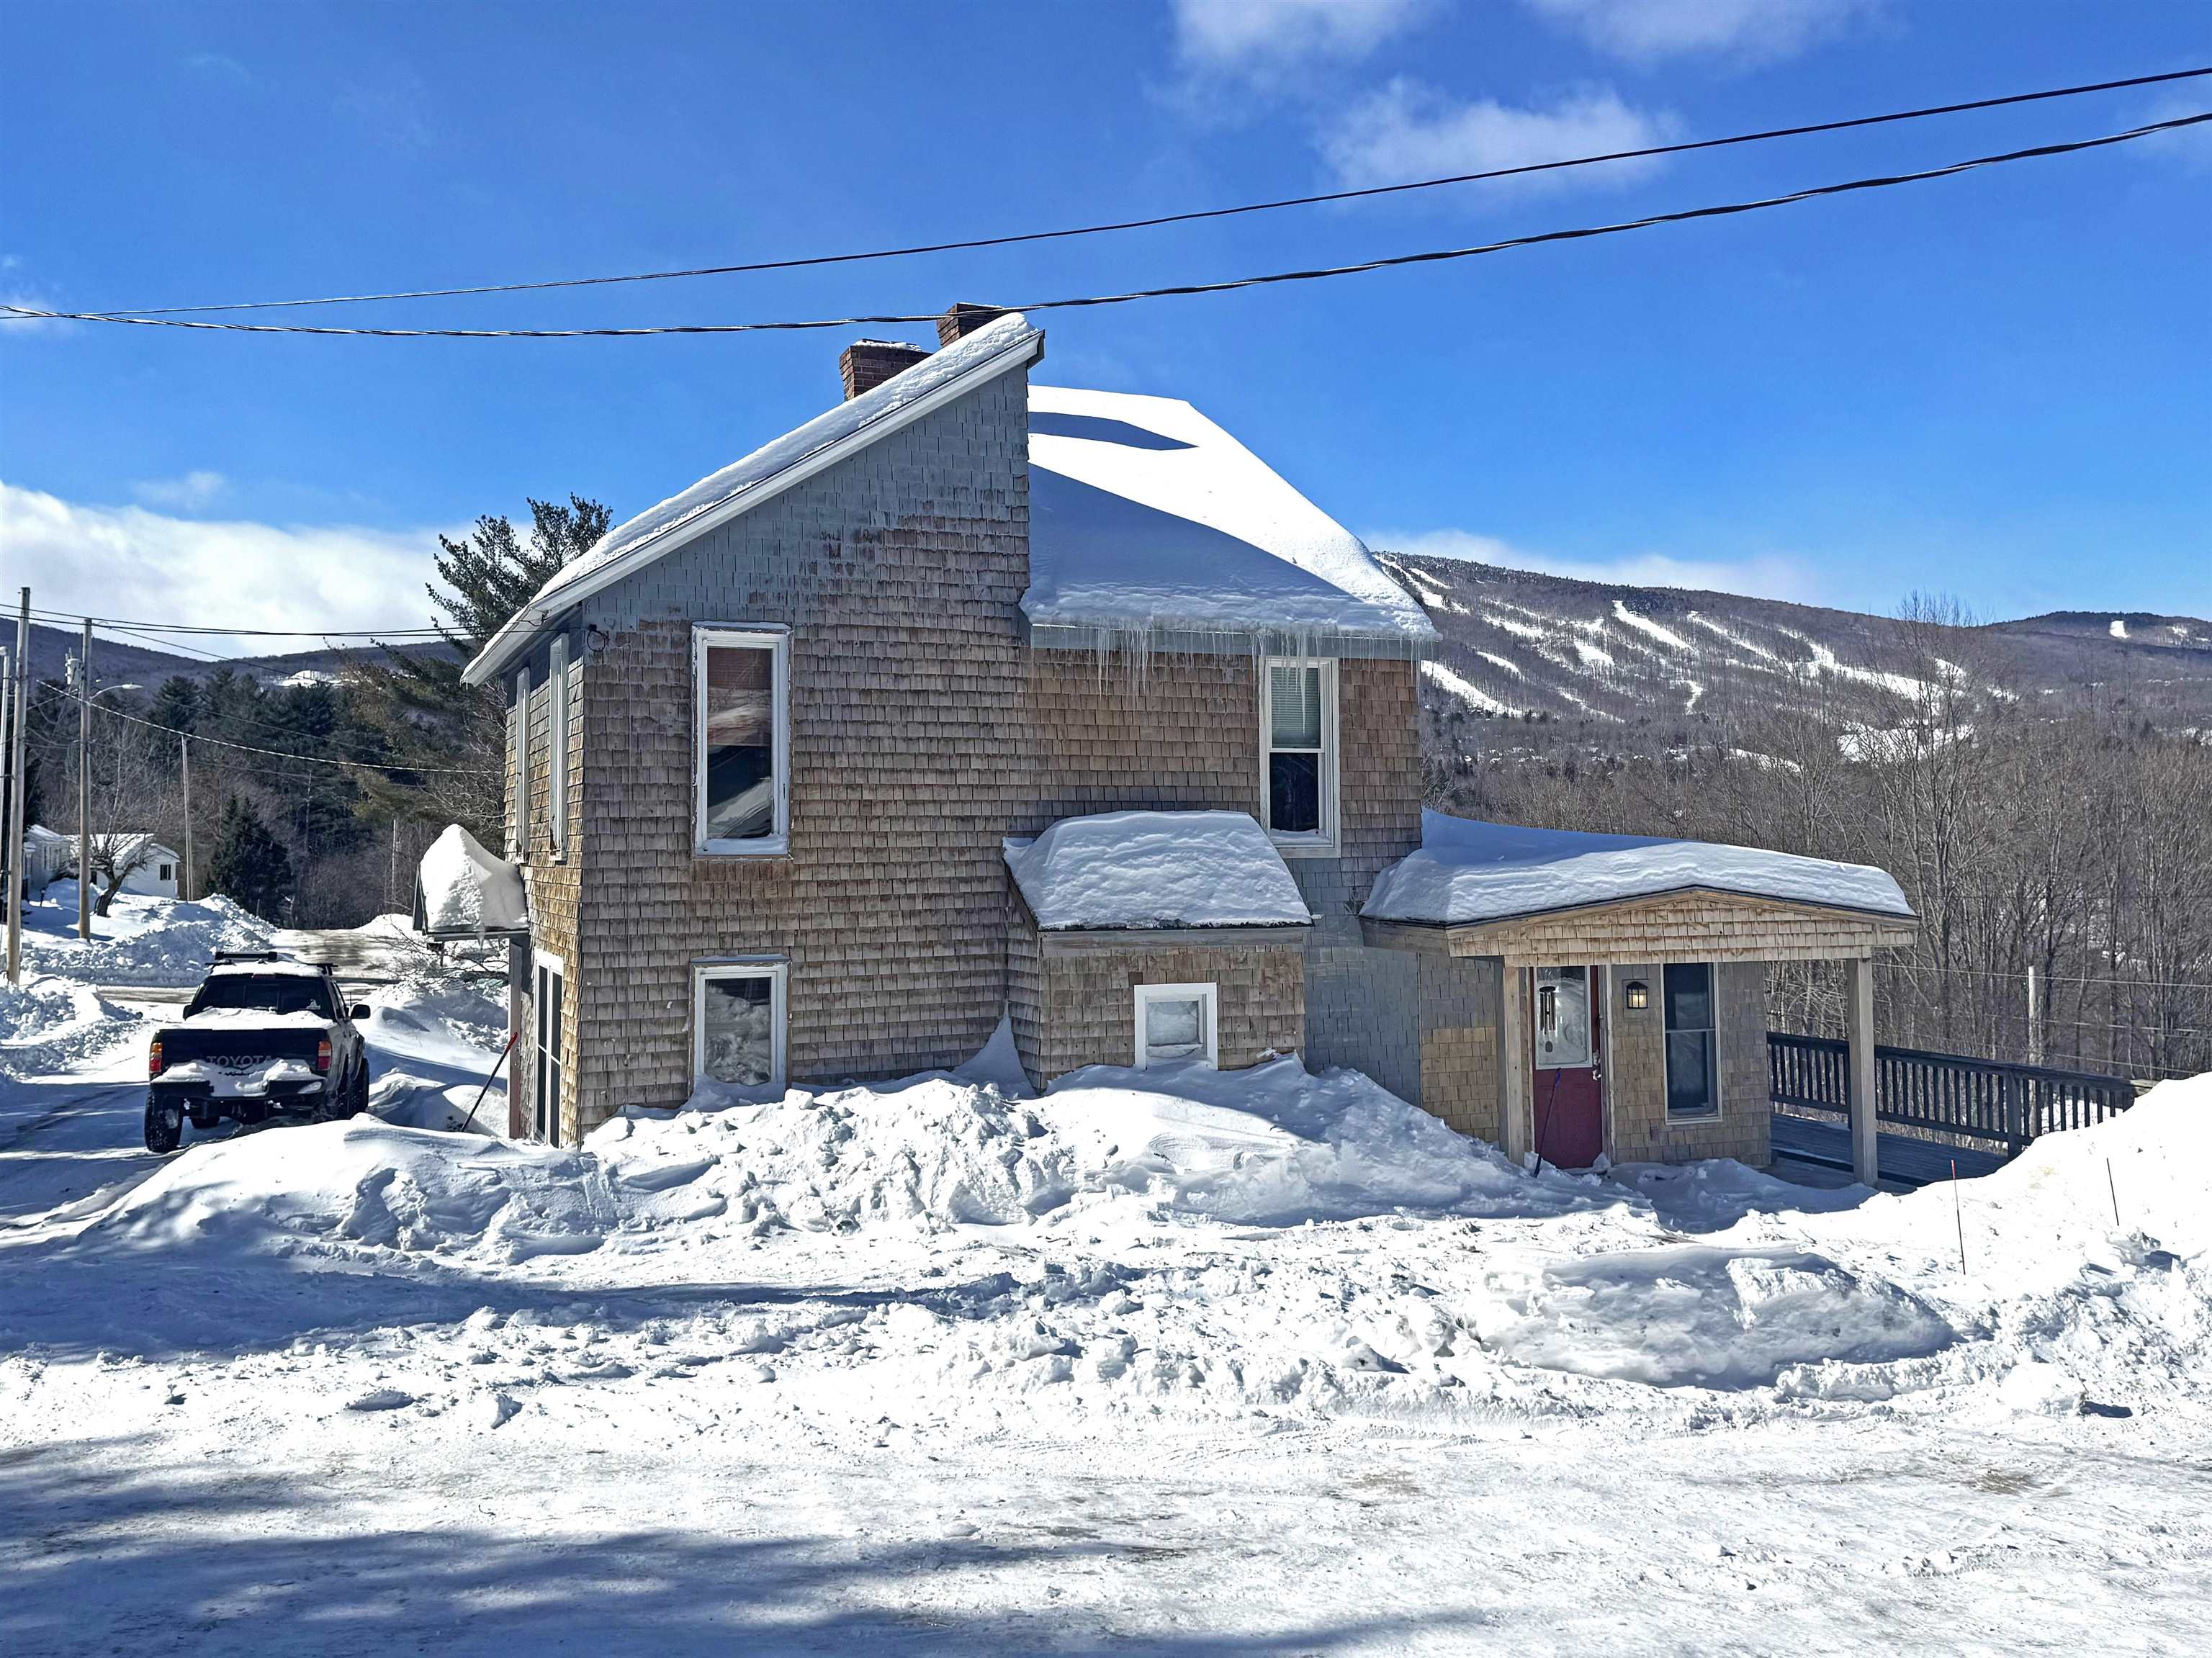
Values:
[(1005, 343), (1470, 871), (1155, 869), (463, 891), (1144, 514)]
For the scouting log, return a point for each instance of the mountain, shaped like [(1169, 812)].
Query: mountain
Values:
[(119, 662), (1535, 657)]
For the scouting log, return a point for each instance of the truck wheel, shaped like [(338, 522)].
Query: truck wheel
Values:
[(357, 1097), (165, 1126)]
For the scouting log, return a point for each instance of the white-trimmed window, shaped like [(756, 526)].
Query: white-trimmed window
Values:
[(1176, 1023), (1693, 1072), (741, 759), (1298, 734), (549, 1013), (521, 846), (556, 748), (738, 1022)]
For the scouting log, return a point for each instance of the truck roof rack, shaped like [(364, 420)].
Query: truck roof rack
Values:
[(223, 957)]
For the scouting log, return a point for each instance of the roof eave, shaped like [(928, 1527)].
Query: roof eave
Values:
[(502, 646)]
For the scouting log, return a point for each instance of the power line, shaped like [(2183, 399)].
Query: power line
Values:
[(1114, 226), (276, 754), (1180, 290), (126, 624)]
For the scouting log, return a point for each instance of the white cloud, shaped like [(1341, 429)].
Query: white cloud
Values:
[(187, 493), (1770, 577), (1266, 40), (1407, 130), (126, 562), (1752, 31)]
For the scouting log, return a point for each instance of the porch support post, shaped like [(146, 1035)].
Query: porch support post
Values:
[(1515, 1123), (520, 1063), (1859, 1015)]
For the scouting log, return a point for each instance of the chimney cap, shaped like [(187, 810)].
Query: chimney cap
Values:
[(963, 318)]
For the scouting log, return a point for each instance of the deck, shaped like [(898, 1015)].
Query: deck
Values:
[(1905, 1160)]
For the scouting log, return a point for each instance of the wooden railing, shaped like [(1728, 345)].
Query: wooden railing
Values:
[(1946, 1094)]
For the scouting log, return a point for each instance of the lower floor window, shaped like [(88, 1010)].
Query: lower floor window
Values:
[(737, 1015), (1692, 1060), (1175, 1022)]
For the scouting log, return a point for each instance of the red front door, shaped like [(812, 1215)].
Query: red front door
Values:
[(1569, 1096)]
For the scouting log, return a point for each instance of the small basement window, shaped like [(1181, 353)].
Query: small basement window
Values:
[(1175, 1024), (1693, 1081), (738, 1022), (742, 758), (1297, 723)]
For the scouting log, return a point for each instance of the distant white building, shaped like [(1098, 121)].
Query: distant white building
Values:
[(156, 870)]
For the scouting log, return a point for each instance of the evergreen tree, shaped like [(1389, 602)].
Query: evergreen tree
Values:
[(176, 706), (414, 698), (250, 866)]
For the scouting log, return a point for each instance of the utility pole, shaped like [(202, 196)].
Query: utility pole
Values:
[(84, 786), (19, 752), (184, 749)]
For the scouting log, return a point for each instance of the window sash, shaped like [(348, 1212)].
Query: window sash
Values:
[(1298, 751), (1691, 1040), (1205, 1048), (776, 787), (774, 975)]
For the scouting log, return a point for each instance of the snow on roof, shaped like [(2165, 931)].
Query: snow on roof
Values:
[(281, 966), (1467, 871), (1002, 343), (464, 890), (1145, 513), (1155, 869)]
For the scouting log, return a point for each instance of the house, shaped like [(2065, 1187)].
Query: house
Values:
[(152, 869), (976, 698), (47, 854)]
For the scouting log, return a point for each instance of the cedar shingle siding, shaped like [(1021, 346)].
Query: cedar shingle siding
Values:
[(923, 729)]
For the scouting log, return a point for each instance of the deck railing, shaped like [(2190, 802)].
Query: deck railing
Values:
[(1985, 1101)]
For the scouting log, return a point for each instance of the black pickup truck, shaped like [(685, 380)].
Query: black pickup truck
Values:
[(263, 1036)]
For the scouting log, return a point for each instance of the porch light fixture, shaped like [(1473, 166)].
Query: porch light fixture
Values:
[(1637, 995)]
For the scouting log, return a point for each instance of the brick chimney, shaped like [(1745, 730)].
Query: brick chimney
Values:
[(964, 319), (866, 364)]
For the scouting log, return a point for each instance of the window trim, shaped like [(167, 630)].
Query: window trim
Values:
[(1712, 1113), (519, 841), (1327, 841), (775, 968), (556, 749), (1208, 997), (543, 964), (757, 637)]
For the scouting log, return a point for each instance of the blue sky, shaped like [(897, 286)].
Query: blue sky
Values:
[(1994, 387)]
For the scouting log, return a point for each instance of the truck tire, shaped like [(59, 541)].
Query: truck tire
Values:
[(357, 1096), (165, 1126)]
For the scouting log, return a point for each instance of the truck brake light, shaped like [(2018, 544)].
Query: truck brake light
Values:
[(154, 1057), (322, 1054)]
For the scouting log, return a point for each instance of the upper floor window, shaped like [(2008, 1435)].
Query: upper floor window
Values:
[(556, 749), (743, 735), (1298, 725), (521, 846)]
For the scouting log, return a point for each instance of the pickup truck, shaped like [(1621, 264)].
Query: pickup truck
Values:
[(264, 1036)]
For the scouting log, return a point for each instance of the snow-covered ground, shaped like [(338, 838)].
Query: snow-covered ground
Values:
[(1249, 1363)]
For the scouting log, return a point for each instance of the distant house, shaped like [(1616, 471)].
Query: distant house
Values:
[(154, 870), (973, 698)]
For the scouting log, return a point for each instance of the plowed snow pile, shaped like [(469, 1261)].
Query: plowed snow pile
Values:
[(141, 941)]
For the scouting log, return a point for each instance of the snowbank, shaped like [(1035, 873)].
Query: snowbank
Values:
[(1156, 869), (141, 941), (465, 890), (49, 1024), (1469, 871)]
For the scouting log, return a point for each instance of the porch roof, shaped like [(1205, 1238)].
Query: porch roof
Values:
[(1507, 886)]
